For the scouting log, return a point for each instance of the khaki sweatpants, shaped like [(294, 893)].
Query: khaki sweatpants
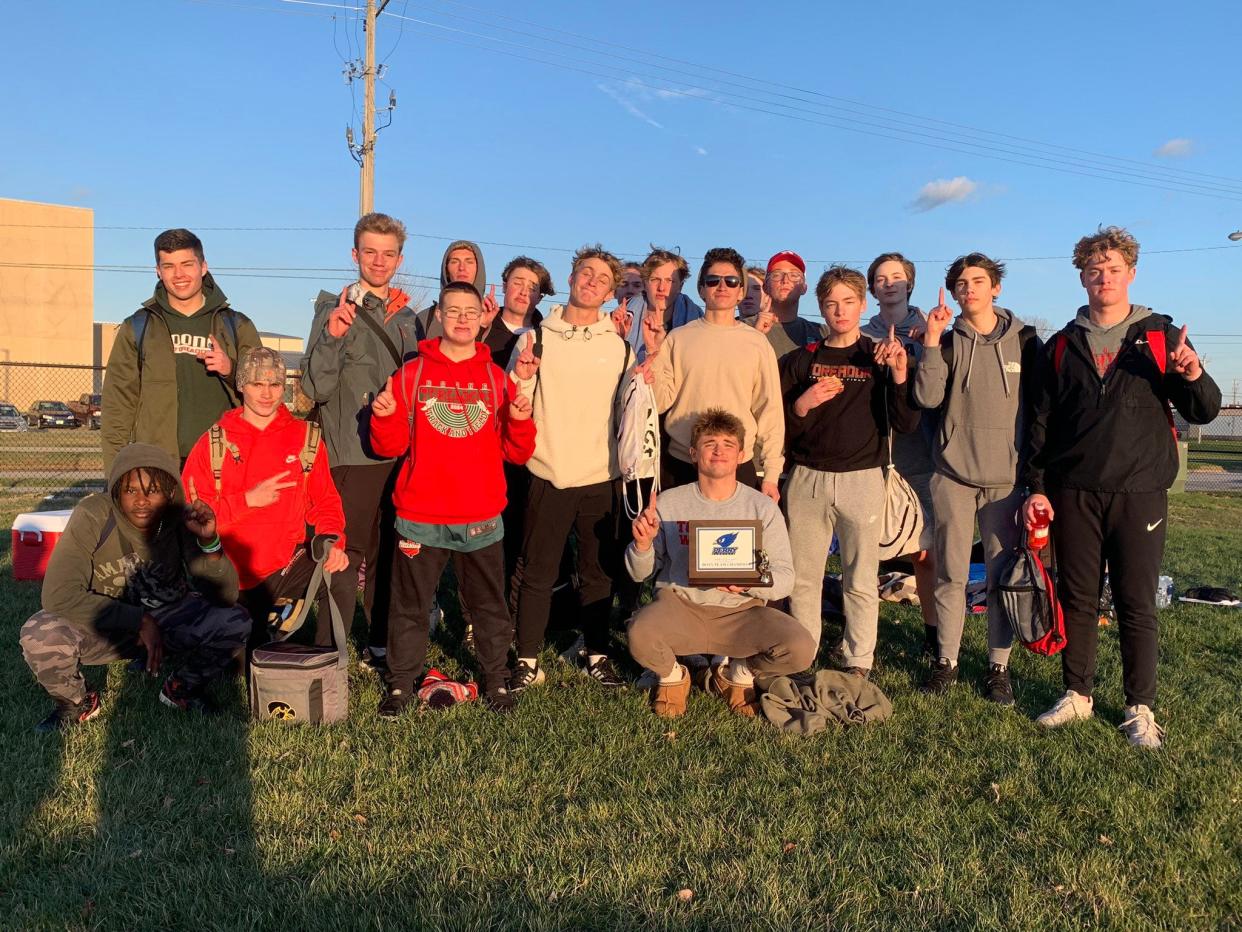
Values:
[(672, 626), (852, 504)]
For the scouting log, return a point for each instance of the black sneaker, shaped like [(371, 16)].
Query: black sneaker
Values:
[(176, 695), (369, 659), (524, 676), (602, 671), (68, 714), (931, 644), (996, 687), (499, 700), (394, 703), (943, 675)]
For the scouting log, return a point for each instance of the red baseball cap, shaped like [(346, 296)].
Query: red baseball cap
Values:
[(788, 256)]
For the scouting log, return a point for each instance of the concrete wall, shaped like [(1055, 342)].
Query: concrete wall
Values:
[(46, 300)]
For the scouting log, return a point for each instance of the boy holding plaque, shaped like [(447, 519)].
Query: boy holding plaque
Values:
[(843, 396), (712, 599)]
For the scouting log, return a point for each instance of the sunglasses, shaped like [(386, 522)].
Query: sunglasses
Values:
[(731, 281)]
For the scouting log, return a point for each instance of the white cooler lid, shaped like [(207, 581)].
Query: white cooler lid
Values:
[(42, 521)]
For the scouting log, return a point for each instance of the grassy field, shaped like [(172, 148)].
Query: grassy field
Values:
[(581, 810)]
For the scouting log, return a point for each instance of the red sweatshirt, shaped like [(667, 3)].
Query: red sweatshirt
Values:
[(454, 473), (261, 541)]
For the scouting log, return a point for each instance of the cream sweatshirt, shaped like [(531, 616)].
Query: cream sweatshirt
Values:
[(731, 366), (574, 400)]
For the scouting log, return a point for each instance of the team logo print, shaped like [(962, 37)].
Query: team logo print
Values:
[(455, 411), (723, 546), (281, 710), (409, 548)]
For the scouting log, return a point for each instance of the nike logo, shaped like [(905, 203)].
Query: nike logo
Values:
[(1152, 527)]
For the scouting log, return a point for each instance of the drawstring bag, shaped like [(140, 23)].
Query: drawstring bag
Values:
[(901, 525)]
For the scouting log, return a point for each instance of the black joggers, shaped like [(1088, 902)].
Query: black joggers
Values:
[(1126, 530)]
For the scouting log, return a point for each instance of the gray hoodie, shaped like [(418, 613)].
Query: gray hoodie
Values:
[(1106, 341), (912, 451), (976, 381), (427, 316)]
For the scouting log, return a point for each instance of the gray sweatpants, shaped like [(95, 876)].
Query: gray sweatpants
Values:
[(957, 505), (852, 503), (672, 626)]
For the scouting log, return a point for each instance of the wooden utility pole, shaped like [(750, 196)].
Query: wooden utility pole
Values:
[(366, 178)]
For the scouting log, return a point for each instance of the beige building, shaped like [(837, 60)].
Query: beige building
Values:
[(47, 301)]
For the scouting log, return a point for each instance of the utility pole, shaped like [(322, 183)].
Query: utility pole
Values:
[(364, 153)]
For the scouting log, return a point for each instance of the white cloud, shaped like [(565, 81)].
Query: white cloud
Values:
[(944, 191), (1175, 149), (700, 150), (628, 105)]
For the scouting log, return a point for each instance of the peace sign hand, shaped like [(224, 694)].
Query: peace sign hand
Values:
[(266, 492), (1185, 360), (622, 319)]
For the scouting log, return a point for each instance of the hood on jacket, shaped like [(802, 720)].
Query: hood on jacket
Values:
[(429, 349), (877, 329), (480, 272), (1083, 319), (556, 323), (144, 456), (213, 297), (970, 339)]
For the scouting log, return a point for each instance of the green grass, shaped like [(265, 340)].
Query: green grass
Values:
[(582, 810)]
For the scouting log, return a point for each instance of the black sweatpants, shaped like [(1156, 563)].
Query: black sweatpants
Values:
[(551, 513), (287, 583), (370, 535), (416, 572), (1126, 530)]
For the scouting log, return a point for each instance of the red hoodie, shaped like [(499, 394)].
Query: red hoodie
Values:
[(454, 473), (261, 541)]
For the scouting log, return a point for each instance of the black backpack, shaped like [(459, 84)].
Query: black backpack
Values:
[(1028, 602)]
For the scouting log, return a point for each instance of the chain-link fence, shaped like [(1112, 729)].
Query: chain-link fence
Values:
[(50, 416)]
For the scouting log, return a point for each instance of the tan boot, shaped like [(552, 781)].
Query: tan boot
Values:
[(740, 699), (670, 701)]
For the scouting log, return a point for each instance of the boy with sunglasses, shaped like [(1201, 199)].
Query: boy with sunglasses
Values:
[(458, 417), (718, 362)]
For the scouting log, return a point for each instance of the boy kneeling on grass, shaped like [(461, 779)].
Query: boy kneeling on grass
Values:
[(138, 571), (726, 620), (459, 417)]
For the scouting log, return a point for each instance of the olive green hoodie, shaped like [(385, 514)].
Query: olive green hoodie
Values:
[(141, 403), (105, 573)]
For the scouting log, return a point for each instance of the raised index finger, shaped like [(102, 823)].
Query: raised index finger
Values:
[(941, 304)]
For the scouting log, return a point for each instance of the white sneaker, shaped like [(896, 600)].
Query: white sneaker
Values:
[(1140, 727), (1069, 708)]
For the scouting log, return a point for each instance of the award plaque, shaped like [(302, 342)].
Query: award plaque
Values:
[(728, 553)]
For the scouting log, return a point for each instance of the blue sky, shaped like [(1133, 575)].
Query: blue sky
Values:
[(231, 113)]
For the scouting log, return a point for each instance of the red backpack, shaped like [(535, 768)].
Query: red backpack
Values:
[(1027, 598)]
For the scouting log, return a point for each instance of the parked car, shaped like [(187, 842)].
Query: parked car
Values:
[(50, 414), (86, 409), (11, 418)]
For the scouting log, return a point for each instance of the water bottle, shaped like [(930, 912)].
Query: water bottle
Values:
[(1164, 592), (1037, 533)]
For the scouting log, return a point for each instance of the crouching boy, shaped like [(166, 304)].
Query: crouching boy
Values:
[(138, 572), (725, 620), (458, 417)]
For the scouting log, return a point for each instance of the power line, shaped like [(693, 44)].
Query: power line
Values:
[(491, 14)]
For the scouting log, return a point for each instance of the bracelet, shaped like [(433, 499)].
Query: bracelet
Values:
[(213, 547)]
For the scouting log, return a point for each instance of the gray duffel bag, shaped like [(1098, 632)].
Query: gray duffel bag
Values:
[(295, 683)]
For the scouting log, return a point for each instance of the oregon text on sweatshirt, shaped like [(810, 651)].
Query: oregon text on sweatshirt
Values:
[(261, 541), (105, 573), (670, 551), (845, 433), (575, 400), (730, 366), (982, 384), (460, 436)]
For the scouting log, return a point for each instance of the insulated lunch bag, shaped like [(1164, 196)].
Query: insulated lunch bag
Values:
[(1029, 603), (295, 683)]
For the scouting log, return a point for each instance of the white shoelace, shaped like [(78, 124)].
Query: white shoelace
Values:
[(1140, 723)]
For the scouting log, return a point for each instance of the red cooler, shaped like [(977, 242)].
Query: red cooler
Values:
[(34, 536)]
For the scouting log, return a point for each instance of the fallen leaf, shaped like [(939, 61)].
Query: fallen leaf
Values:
[(789, 846), (685, 894), (168, 801), (1105, 840), (552, 897), (996, 791), (135, 852), (671, 735), (360, 818), (230, 851), (1059, 888), (370, 848), (334, 835), (203, 781), (128, 744)]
